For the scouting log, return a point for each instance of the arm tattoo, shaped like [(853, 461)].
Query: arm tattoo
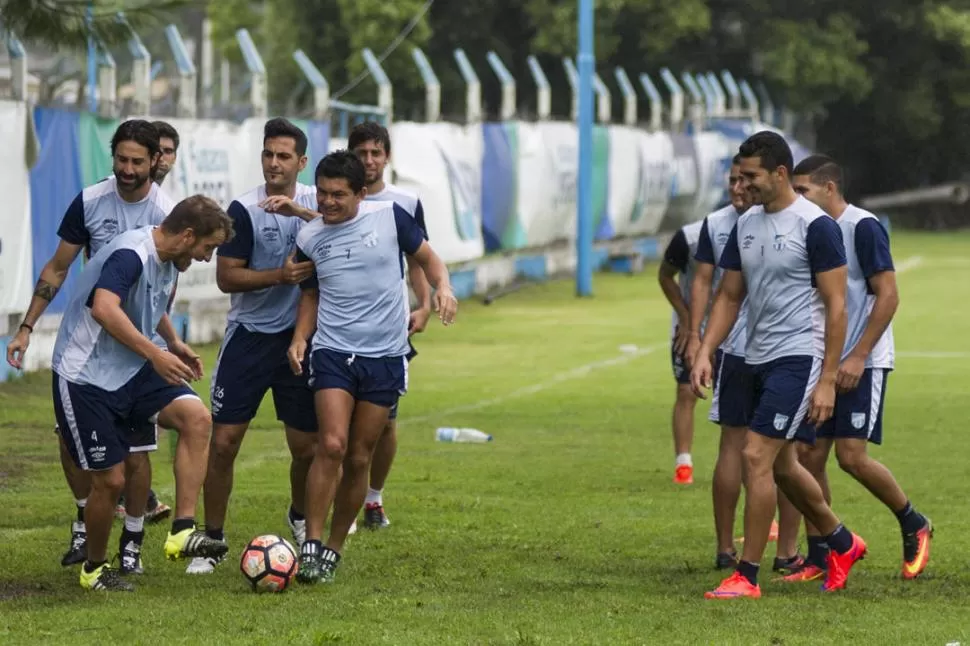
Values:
[(45, 290)]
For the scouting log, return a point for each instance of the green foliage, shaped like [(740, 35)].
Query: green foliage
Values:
[(62, 23)]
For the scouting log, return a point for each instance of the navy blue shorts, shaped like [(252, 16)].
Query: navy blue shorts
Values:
[(858, 413), (732, 403), (143, 438), (781, 390), (249, 364), (101, 427), (679, 365), (410, 355), (380, 381)]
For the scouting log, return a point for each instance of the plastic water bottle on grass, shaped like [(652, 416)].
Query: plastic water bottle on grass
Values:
[(449, 434)]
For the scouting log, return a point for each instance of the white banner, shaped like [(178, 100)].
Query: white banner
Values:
[(547, 182), (714, 153), (16, 250), (442, 163)]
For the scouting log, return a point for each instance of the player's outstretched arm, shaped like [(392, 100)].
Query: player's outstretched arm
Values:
[(52, 276)]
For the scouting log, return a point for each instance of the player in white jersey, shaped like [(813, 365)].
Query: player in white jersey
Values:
[(675, 275), (256, 268), (168, 145), (867, 359), (371, 142), (358, 364), (787, 257), (109, 376), (729, 408), (126, 200)]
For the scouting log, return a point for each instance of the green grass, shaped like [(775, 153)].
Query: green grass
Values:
[(566, 529)]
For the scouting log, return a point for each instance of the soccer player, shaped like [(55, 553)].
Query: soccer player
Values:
[(168, 145), (168, 139), (372, 144), (867, 359), (109, 376), (678, 260), (126, 200), (787, 257), (729, 407), (257, 269), (358, 368)]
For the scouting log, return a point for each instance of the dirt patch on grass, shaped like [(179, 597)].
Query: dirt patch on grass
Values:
[(10, 590)]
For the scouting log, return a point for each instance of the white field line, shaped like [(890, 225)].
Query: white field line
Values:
[(568, 375), (909, 263)]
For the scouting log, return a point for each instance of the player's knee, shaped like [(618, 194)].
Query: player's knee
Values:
[(110, 481), (358, 458), (224, 445), (332, 448), (685, 396), (196, 423), (851, 457), (813, 459), (756, 461), (137, 463)]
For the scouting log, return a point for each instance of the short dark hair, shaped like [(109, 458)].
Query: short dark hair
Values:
[(770, 147), (821, 169), (345, 164), (201, 214), (280, 127), (166, 129), (369, 131), (736, 159), (139, 131)]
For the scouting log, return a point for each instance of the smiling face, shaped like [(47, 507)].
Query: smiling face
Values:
[(762, 185), (132, 165), (336, 199), (740, 199), (374, 158), (191, 248)]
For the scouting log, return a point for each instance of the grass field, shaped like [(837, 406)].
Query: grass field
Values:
[(567, 529)]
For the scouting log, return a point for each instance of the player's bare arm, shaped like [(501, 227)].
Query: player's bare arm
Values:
[(666, 276), (52, 276), (306, 322), (831, 288), (107, 312), (724, 312), (422, 290), (436, 272), (883, 286), (286, 206), (232, 275), (700, 295)]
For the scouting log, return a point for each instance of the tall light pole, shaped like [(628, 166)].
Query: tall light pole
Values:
[(584, 196), (92, 59)]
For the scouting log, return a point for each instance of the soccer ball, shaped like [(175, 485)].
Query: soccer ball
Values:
[(269, 563)]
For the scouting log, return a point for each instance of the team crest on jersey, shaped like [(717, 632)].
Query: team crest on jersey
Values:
[(780, 243), (781, 421), (369, 239), (291, 240), (858, 420), (748, 241)]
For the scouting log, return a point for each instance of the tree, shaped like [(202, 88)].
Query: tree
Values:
[(63, 23)]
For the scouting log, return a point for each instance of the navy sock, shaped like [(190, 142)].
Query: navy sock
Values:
[(80, 514), (182, 524), (91, 566), (749, 571), (910, 520), (215, 533), (840, 540), (817, 550), (295, 515)]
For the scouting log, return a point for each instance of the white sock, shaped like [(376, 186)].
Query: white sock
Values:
[(374, 495), (135, 524), (81, 502), (684, 458)]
